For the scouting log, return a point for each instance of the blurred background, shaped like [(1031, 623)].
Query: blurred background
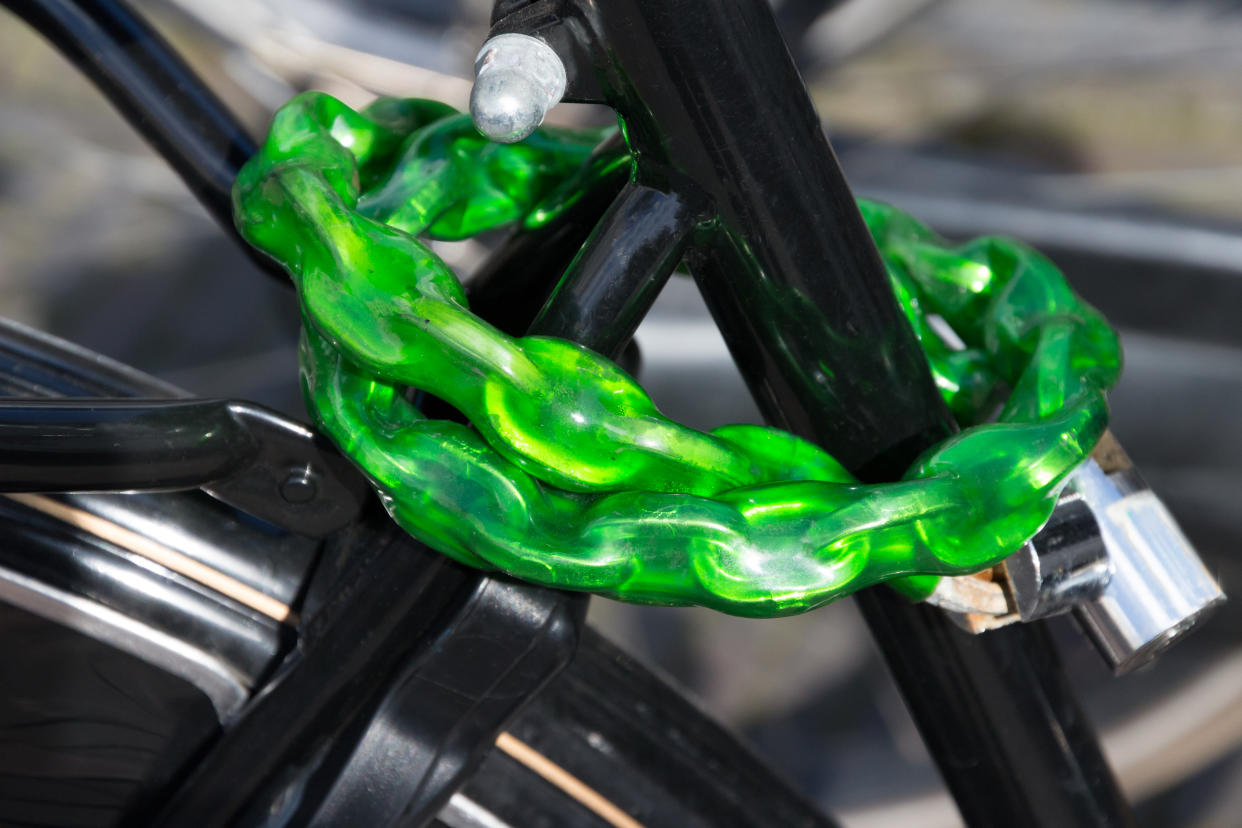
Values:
[(1107, 133)]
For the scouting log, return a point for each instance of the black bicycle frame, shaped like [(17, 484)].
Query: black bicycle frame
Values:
[(736, 177)]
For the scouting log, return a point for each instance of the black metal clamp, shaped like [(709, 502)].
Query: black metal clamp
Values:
[(249, 457)]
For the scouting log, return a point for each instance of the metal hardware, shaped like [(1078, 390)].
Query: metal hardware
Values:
[(1159, 589), (517, 79), (1064, 565), (240, 453), (115, 440), (295, 479), (1113, 554)]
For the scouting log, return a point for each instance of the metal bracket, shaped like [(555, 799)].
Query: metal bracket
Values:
[(249, 457)]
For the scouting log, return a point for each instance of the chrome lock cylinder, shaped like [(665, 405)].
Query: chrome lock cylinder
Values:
[(1065, 564), (1158, 588), (1114, 556)]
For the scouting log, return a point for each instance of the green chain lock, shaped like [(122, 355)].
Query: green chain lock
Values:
[(568, 475)]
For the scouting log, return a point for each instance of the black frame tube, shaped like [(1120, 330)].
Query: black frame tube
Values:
[(239, 453), (620, 269), (119, 445), (513, 284), (999, 716)]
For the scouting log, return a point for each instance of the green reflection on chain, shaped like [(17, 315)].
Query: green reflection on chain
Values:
[(570, 477)]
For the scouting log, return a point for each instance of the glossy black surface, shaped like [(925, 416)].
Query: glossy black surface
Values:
[(73, 560), (385, 624), (511, 287), (288, 478), (714, 107), (447, 705), (712, 102), (124, 679), (37, 364), (620, 270), (155, 92), (63, 557), (1000, 718), (369, 610), (409, 665), (115, 445), (272, 561), (294, 478), (249, 457)]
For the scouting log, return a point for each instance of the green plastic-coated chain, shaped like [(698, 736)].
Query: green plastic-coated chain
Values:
[(568, 475)]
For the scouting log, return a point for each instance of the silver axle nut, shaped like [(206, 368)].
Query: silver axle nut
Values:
[(517, 79)]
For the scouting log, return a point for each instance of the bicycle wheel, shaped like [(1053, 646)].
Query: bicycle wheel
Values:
[(141, 633)]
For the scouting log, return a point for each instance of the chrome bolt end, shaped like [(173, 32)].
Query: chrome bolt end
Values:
[(517, 79)]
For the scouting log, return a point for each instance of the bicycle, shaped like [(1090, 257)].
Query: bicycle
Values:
[(221, 420)]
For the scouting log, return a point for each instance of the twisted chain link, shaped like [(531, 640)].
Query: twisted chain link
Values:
[(571, 477)]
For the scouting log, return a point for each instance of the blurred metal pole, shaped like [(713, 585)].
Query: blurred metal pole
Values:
[(156, 93)]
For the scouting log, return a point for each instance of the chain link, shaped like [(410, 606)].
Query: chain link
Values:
[(570, 476)]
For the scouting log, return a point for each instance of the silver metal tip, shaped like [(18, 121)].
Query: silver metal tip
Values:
[(518, 78)]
